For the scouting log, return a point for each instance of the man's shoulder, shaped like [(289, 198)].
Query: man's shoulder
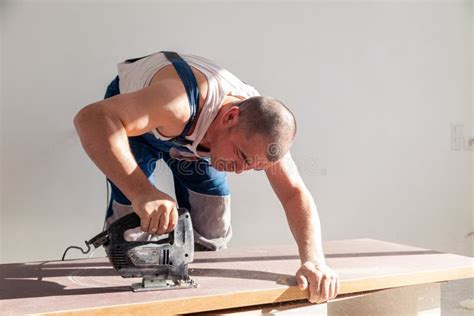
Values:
[(170, 96)]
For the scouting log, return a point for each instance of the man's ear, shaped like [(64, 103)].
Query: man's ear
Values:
[(231, 117)]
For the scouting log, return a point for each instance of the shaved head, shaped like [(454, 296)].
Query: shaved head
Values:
[(271, 119)]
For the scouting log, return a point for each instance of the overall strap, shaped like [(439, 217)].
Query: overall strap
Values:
[(192, 91), (132, 60)]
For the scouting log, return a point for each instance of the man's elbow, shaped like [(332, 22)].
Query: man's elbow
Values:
[(84, 116)]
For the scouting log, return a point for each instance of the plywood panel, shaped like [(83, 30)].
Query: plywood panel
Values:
[(229, 278), (410, 300)]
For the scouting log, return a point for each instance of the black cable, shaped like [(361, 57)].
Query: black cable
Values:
[(107, 202), (76, 247)]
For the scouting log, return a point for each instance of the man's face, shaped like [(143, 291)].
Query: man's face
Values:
[(233, 151)]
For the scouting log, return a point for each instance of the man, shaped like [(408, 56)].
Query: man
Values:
[(202, 121)]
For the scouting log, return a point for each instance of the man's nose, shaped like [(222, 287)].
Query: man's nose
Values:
[(249, 166), (239, 168)]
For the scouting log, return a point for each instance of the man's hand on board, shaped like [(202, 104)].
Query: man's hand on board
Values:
[(322, 281)]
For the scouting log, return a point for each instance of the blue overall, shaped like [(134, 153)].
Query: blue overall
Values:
[(198, 186)]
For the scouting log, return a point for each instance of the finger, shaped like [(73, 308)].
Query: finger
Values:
[(314, 287), (163, 226), (155, 218), (338, 286), (173, 220), (332, 288), (145, 223), (302, 282), (319, 285), (324, 288)]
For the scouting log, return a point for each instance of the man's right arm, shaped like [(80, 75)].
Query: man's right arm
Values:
[(104, 127)]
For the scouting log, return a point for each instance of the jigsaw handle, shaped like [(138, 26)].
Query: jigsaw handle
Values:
[(130, 221)]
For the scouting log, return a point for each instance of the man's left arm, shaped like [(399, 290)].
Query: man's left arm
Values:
[(303, 220)]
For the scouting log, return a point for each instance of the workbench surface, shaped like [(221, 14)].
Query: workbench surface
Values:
[(233, 277)]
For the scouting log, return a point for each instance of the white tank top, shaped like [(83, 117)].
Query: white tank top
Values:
[(137, 75)]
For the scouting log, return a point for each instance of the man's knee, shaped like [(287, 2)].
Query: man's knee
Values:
[(211, 220)]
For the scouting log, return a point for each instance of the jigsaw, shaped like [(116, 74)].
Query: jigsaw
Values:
[(162, 264)]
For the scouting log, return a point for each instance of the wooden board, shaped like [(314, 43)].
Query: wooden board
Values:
[(412, 300), (229, 278)]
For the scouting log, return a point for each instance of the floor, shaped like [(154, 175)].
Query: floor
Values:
[(452, 293)]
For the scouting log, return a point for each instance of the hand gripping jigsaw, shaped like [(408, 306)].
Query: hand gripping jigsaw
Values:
[(163, 264)]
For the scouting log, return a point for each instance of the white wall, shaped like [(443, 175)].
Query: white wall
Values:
[(1, 126), (375, 88), (472, 128)]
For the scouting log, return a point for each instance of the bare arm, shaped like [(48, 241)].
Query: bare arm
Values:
[(300, 209), (303, 218), (104, 127)]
